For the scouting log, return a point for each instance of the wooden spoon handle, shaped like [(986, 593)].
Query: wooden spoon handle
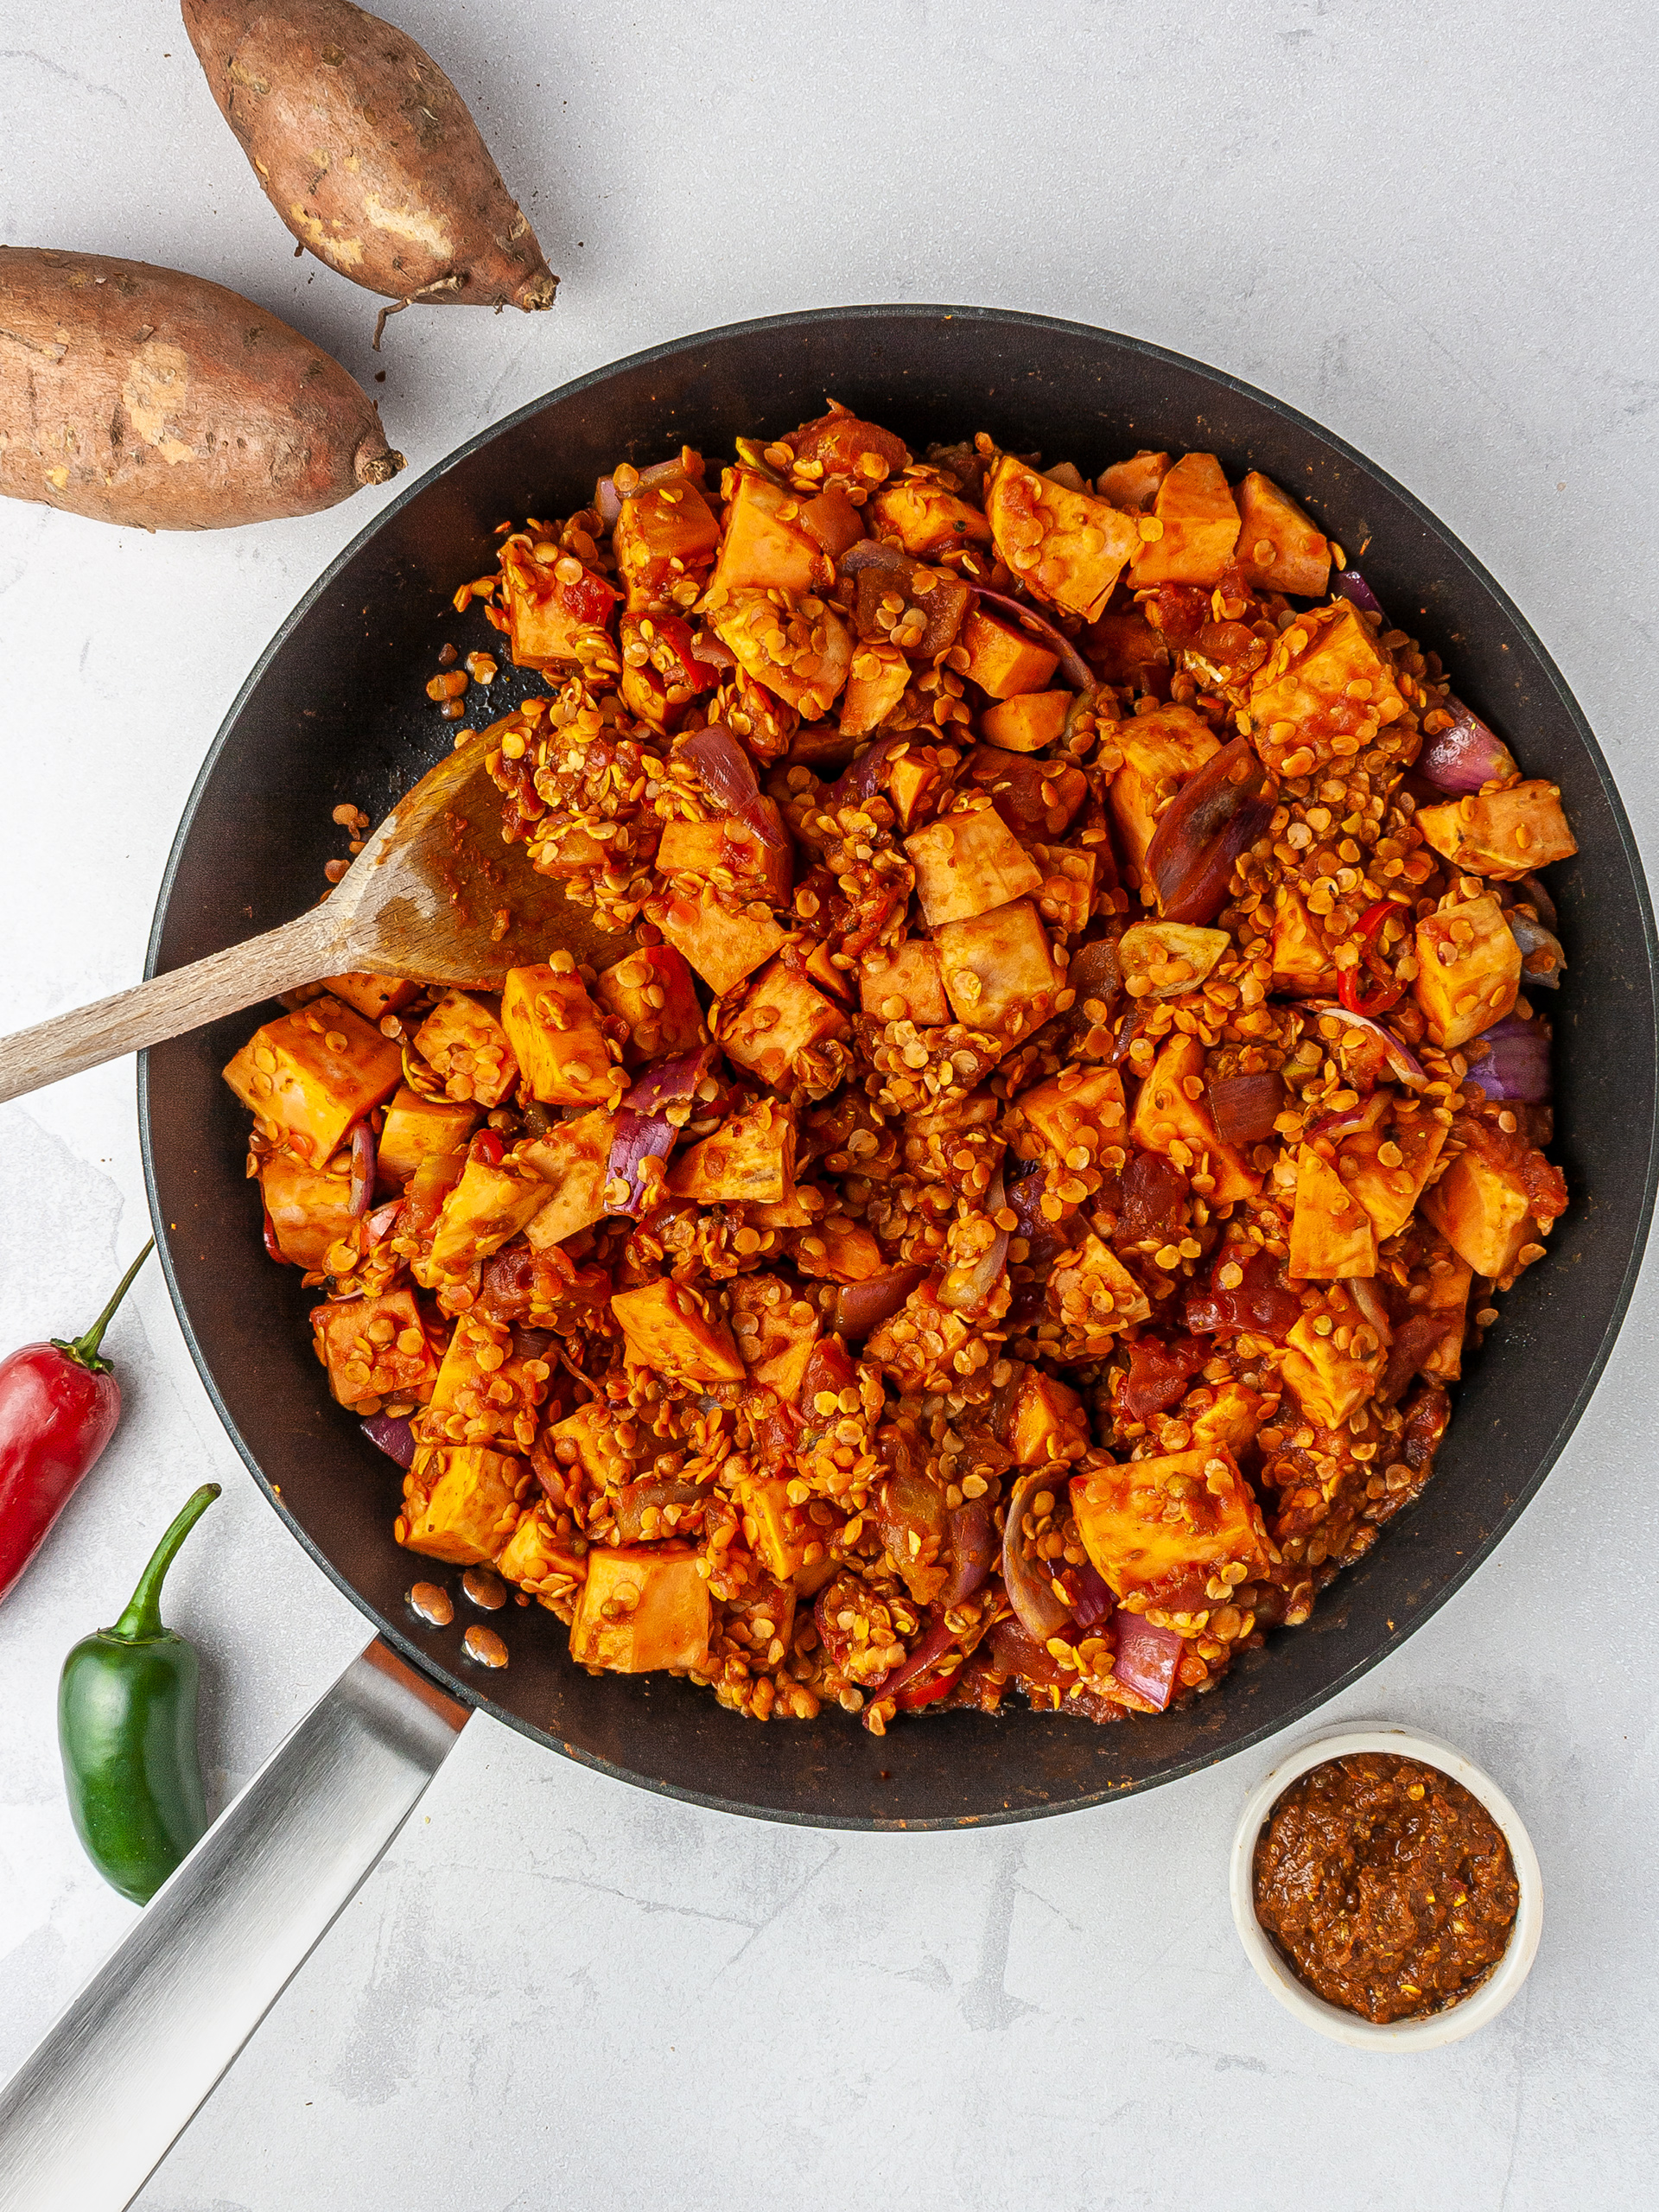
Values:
[(168, 1005)]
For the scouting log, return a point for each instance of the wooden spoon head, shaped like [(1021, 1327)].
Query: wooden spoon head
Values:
[(437, 894)]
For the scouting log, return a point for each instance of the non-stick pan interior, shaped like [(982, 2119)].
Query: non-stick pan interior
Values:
[(336, 710)]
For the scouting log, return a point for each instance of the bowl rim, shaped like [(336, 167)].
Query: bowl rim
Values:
[(1434, 2030), (469, 1690)]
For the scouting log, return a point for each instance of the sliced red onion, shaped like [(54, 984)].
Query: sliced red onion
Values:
[(928, 1653), (1365, 1295), (1405, 1066), (661, 473), (1515, 1067), (711, 653), (1031, 1589), (1531, 889), (667, 1083), (608, 502), (393, 1437), (1073, 667), (1534, 938), (364, 1162), (1215, 815), (973, 1549), (636, 1138), (858, 783), (728, 775), (965, 1286), (861, 1306), (1146, 1658), (1353, 585), (1094, 1599), (1245, 1107), (1466, 756), (383, 1220)]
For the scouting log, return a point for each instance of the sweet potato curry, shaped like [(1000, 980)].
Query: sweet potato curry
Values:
[(1069, 1086)]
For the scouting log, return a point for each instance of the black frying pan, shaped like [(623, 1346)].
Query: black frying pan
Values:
[(336, 710)]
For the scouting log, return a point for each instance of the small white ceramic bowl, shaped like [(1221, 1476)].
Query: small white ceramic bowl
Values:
[(1459, 2020)]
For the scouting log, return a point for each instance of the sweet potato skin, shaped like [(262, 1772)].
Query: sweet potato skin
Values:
[(146, 398), (367, 152)]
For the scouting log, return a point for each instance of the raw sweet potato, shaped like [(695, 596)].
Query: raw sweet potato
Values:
[(367, 152), (142, 396)]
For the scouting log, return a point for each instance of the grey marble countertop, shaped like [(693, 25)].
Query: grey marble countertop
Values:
[(1430, 228)]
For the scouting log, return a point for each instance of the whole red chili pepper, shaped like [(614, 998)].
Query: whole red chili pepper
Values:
[(59, 1405)]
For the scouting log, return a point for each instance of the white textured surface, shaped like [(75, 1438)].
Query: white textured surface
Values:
[(1429, 227)]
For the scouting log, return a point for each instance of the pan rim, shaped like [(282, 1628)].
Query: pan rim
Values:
[(468, 1692)]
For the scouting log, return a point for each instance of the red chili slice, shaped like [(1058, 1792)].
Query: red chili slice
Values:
[(1350, 988)]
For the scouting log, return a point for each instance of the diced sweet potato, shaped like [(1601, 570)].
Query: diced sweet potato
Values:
[(553, 620), (667, 1326), (926, 519), (998, 969), (1331, 1234), (1482, 1211), (779, 1030), (663, 537), (1468, 969), (801, 651), (538, 1559), (652, 991), (1092, 1296), (1004, 660), (1132, 484), (464, 1044), (1385, 1168), (1076, 1110), (308, 1076), (767, 545), (750, 1160), (1234, 1417), (1047, 1421), (1326, 677), (1158, 1530), (462, 1502), (487, 1206), (732, 855), (916, 782), (1302, 966), (1172, 1115), (553, 1027), (309, 1207), (1160, 751), (587, 1439), (375, 1347), (1200, 526), (775, 1329), (821, 969), (837, 1249), (1065, 546), (1281, 547), (880, 678), (777, 1532), (722, 941), (1330, 1380), (903, 982), (1504, 834), (965, 864), (373, 995), (415, 1127), (1450, 1280), (572, 1159), (833, 520), (644, 1608), (1027, 722), (485, 1394)]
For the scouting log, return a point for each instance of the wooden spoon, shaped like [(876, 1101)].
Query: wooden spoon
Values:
[(433, 893)]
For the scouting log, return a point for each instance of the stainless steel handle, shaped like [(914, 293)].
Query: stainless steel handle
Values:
[(87, 2119)]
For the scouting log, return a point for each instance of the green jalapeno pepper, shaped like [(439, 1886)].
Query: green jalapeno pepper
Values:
[(127, 1730)]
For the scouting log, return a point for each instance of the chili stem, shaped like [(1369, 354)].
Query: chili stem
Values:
[(142, 1622), (84, 1349)]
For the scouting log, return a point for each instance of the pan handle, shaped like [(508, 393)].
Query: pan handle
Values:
[(87, 2119)]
